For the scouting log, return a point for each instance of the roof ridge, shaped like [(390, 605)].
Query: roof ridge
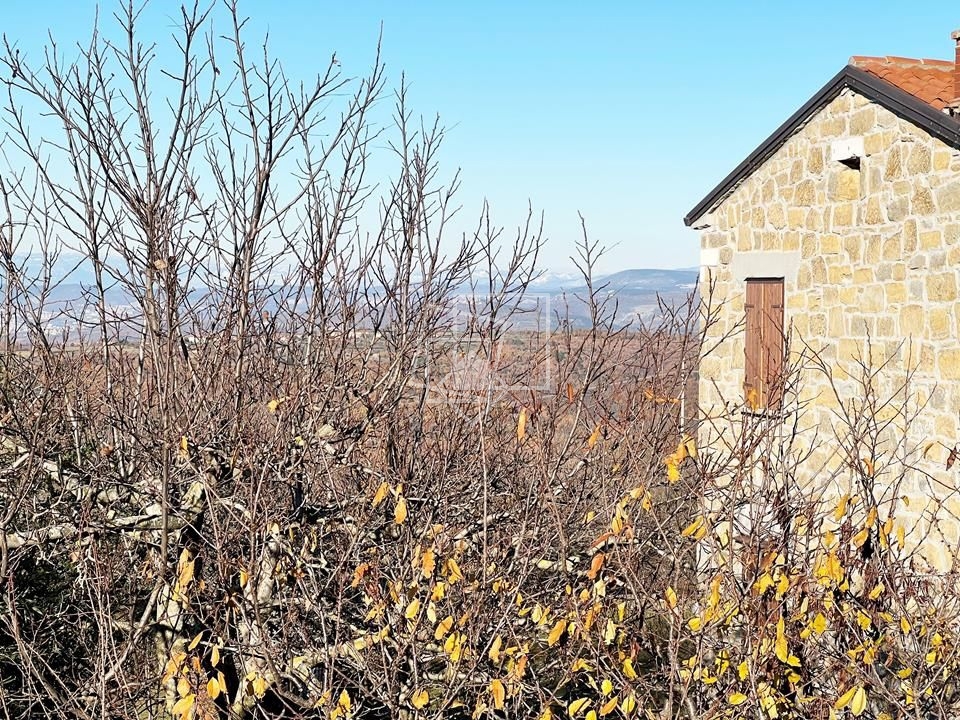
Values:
[(899, 60)]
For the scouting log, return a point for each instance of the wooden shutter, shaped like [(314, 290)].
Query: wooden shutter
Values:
[(763, 366)]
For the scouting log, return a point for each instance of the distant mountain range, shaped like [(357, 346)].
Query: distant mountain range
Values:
[(637, 293)]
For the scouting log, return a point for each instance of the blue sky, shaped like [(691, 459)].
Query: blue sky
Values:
[(628, 112)]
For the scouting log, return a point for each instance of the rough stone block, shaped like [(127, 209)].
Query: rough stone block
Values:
[(938, 323), (847, 186), (806, 193), (830, 244), (948, 364), (942, 287), (922, 201), (842, 215), (941, 160), (893, 168), (896, 293), (815, 161), (920, 161), (948, 197), (931, 239)]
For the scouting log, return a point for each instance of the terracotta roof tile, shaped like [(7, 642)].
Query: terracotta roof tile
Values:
[(928, 79)]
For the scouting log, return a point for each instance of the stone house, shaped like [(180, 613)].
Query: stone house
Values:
[(838, 241)]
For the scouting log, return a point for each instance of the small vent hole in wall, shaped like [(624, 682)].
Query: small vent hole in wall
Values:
[(851, 162)]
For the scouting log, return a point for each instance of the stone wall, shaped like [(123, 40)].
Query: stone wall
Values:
[(870, 261)]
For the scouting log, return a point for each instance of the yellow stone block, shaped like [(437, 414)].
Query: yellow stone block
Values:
[(942, 287), (948, 363), (795, 217), (896, 293), (922, 203), (938, 323), (931, 239), (839, 274), (848, 185), (849, 295), (843, 215), (911, 320), (830, 244)]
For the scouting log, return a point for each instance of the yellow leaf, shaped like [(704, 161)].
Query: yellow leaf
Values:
[(259, 685), (606, 687), (608, 707), (429, 563), (215, 656), (443, 628), (574, 708), (522, 425), (628, 669), (213, 688), (499, 694), (344, 701), (594, 437), (861, 537), (859, 702), (412, 609), (244, 578), (186, 565), (693, 527), (673, 469), (184, 705), (737, 698), (420, 699), (695, 623), (690, 445), (819, 624), (628, 704), (184, 446), (763, 582), (400, 511), (557, 632), (671, 596), (196, 641), (743, 670), (610, 632), (780, 646), (904, 625), (495, 653), (783, 585), (273, 405), (841, 508), (591, 715), (876, 592), (453, 571), (845, 699), (381, 493)]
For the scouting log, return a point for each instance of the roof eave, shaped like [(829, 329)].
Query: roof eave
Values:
[(901, 103)]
